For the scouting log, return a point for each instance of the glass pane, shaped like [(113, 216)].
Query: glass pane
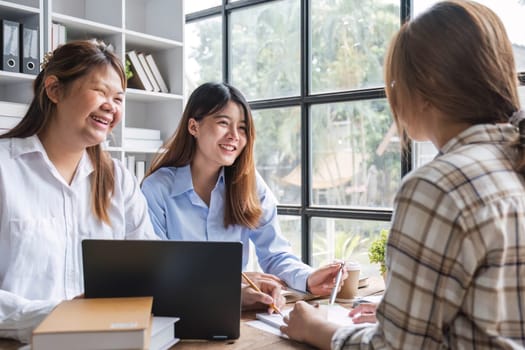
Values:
[(265, 56), (203, 52), (344, 239), (422, 153), (291, 230), (511, 12), (349, 40), (356, 157), (278, 151), (194, 6), (521, 92)]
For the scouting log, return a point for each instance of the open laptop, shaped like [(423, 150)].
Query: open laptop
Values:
[(196, 281)]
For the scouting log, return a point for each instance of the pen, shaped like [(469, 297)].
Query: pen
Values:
[(254, 286), (337, 284)]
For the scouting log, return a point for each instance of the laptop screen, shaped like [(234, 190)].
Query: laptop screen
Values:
[(196, 281)]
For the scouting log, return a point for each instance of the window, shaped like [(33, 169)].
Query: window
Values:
[(313, 73)]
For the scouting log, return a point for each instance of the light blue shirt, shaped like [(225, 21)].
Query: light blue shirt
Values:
[(178, 213)]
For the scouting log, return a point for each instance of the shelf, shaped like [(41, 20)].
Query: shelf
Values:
[(149, 26), (14, 77), (79, 26), (149, 96), (14, 10), (149, 42)]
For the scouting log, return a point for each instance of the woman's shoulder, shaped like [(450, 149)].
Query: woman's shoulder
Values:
[(162, 178)]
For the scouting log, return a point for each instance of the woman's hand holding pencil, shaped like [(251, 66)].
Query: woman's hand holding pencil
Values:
[(262, 289)]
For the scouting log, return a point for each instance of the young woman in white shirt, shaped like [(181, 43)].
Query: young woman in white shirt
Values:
[(58, 186)]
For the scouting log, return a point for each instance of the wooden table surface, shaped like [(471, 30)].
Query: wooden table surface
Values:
[(251, 338)]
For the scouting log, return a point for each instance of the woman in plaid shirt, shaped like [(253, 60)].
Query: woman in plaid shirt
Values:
[(456, 250)]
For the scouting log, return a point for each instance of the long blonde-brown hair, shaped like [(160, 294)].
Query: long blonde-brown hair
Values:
[(457, 56), (242, 204), (68, 63)]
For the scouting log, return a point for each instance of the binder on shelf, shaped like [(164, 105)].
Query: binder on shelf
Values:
[(139, 80), (148, 71), (29, 49), (10, 46), (156, 73)]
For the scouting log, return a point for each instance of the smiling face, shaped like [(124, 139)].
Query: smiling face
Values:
[(88, 109), (220, 137)]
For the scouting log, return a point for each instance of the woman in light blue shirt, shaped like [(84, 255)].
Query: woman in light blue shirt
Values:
[(205, 187)]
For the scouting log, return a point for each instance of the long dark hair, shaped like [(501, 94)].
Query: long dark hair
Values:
[(68, 63), (242, 203)]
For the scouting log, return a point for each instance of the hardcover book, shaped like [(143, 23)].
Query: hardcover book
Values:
[(96, 324)]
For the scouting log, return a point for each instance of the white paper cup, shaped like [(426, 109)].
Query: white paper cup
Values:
[(349, 288)]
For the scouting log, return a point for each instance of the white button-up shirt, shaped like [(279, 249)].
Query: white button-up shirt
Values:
[(42, 223)]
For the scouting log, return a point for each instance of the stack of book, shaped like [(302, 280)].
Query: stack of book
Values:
[(142, 139), (10, 114), (103, 324), (145, 74)]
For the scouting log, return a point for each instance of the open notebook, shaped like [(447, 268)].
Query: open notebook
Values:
[(334, 313)]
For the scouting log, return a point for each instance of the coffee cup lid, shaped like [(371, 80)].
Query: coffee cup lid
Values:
[(352, 265)]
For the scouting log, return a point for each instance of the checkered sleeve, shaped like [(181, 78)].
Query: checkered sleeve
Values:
[(427, 275)]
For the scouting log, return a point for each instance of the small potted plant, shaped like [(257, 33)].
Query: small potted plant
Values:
[(376, 252)]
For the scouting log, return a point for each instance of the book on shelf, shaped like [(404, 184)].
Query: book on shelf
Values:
[(139, 144), (130, 164), (140, 169), (149, 73), (139, 79), (97, 323), (13, 109), (142, 133), (58, 35), (156, 72), (163, 335)]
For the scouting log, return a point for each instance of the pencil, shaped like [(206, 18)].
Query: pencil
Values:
[(337, 284), (254, 286)]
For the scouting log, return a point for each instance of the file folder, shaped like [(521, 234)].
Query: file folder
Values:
[(10, 46), (29, 49)]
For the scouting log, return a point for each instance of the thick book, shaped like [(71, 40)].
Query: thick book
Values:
[(96, 324), (163, 335), (145, 145), (141, 133), (139, 80), (13, 109), (8, 123)]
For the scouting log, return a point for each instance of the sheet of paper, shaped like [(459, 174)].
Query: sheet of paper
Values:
[(334, 313)]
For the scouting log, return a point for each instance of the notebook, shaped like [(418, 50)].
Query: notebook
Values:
[(196, 281)]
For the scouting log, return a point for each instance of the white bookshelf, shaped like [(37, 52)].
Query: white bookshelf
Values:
[(150, 26)]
